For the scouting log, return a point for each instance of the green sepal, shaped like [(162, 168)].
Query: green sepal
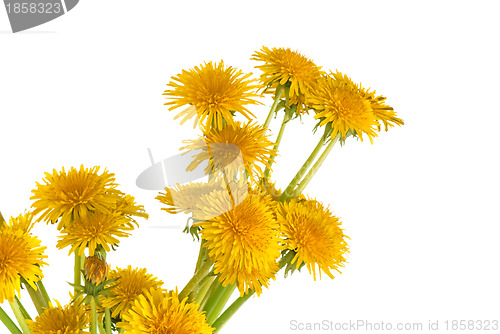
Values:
[(287, 257), (190, 229), (281, 105)]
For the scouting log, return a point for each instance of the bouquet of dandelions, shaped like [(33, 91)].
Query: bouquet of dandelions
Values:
[(247, 228)]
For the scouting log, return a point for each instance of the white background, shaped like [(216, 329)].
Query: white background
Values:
[(420, 205)]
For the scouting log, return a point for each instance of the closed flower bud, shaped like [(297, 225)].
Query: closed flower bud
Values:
[(95, 269)]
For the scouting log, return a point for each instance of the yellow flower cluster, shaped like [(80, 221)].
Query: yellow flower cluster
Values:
[(248, 232), (249, 228), (91, 212)]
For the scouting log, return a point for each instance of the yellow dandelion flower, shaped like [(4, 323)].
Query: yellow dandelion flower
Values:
[(382, 112), (234, 147), (314, 233), (69, 319), (286, 67), (73, 194), (127, 206), (343, 109), (185, 198), (21, 255), (93, 230), (212, 93), (23, 222), (158, 312), (243, 242), (131, 284)]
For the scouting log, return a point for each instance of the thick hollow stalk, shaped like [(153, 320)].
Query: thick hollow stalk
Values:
[(204, 288), (44, 293), (279, 91), (209, 292), (19, 317), (9, 324), (278, 141), (235, 306), (230, 311), (77, 275), (196, 279), (100, 327), (302, 171), (23, 310), (213, 300), (37, 298), (221, 303), (93, 320), (202, 255), (107, 315), (193, 295), (316, 167)]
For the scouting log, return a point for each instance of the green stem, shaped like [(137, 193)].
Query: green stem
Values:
[(235, 306), (290, 189), (19, 317), (44, 293), (202, 255), (23, 310), (7, 321), (100, 328), (36, 297), (316, 167), (77, 271), (193, 295), (277, 98), (221, 303), (210, 291), (107, 315), (200, 274), (213, 299), (230, 311), (278, 141), (93, 321), (204, 288)]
